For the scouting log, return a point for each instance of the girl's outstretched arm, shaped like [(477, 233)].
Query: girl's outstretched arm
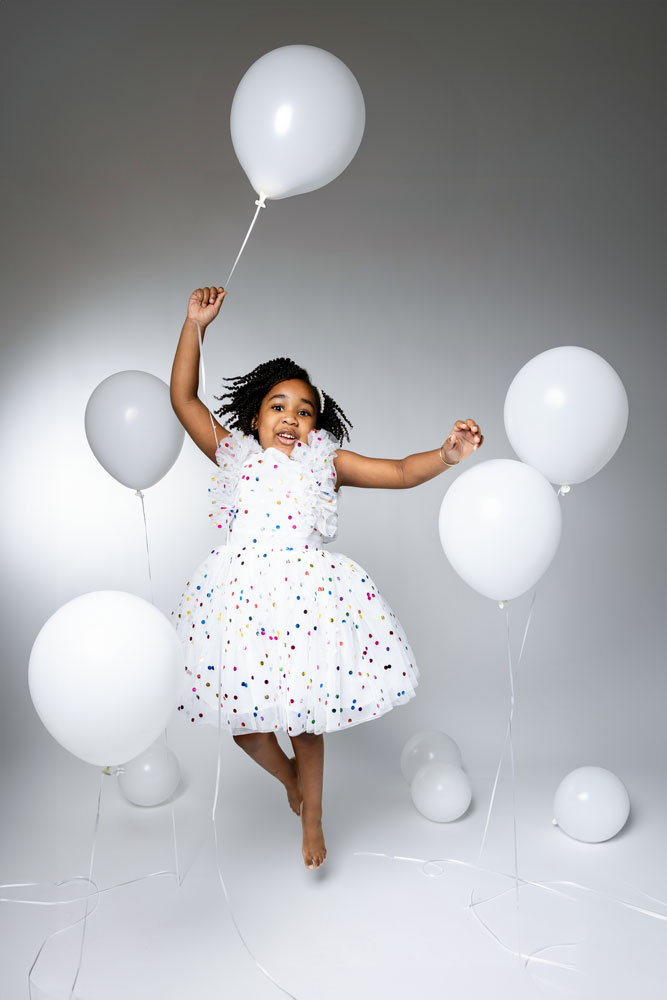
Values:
[(402, 473), (203, 307)]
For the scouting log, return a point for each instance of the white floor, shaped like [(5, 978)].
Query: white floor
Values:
[(362, 924)]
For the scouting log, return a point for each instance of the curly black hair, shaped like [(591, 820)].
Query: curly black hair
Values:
[(247, 392)]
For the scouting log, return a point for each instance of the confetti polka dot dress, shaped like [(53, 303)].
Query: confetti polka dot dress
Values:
[(278, 630)]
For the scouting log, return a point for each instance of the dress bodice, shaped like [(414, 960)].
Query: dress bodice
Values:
[(266, 497)]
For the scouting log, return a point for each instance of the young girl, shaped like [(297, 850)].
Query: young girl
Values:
[(279, 632)]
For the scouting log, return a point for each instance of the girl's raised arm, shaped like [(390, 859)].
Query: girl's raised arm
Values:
[(203, 307), (402, 473)]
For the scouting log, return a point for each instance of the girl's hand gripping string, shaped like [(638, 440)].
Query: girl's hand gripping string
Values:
[(204, 305), (465, 438)]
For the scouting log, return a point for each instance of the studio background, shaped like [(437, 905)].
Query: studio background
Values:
[(507, 197)]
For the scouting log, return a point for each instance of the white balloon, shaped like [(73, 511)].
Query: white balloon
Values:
[(591, 804), (104, 675), (424, 747), (441, 792), (132, 428), (297, 120), (566, 412), (500, 526), (152, 777)]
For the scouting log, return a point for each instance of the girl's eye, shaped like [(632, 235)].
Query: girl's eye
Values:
[(278, 406)]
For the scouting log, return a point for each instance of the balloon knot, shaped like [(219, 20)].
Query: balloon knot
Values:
[(563, 490), (261, 202), (502, 604), (138, 493)]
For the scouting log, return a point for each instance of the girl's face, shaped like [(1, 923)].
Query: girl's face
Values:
[(287, 415)]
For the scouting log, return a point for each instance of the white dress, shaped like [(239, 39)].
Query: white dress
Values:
[(279, 631)]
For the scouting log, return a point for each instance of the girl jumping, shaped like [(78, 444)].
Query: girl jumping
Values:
[(280, 633)]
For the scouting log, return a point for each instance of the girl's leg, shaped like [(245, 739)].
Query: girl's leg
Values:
[(309, 751), (267, 752)]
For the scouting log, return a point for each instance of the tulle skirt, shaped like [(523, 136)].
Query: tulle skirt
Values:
[(295, 638)]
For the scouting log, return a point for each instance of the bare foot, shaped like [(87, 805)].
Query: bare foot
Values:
[(314, 849), (294, 793)]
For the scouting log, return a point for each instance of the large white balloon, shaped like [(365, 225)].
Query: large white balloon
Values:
[(441, 792), (152, 777), (104, 675), (566, 412), (500, 526), (132, 428), (297, 120), (591, 804), (422, 748)]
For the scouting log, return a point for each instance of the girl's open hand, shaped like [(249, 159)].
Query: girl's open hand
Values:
[(204, 304), (465, 438)]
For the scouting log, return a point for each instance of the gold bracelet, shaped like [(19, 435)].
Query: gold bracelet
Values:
[(448, 464)]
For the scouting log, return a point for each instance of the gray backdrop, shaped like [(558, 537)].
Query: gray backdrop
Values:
[(508, 197)]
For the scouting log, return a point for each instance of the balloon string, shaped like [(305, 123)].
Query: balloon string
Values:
[(508, 730), (508, 739), (217, 850), (261, 203), (90, 878), (74, 899), (77, 899), (120, 770), (437, 863), (139, 494), (202, 370), (511, 746), (173, 823)]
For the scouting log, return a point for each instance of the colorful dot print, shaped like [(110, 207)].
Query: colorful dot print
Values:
[(277, 631)]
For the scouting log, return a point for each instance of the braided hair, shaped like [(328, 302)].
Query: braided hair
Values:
[(247, 392)]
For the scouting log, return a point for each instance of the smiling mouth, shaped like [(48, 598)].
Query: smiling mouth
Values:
[(287, 437)]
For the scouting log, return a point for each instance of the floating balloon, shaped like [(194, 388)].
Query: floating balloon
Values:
[(422, 748), (566, 412), (297, 120), (105, 674), (152, 777), (591, 804), (500, 526), (132, 429), (441, 792)]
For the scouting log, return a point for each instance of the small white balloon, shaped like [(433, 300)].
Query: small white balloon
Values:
[(422, 748), (500, 527), (297, 120), (441, 792), (566, 413), (591, 804), (151, 778), (132, 429), (105, 674)]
